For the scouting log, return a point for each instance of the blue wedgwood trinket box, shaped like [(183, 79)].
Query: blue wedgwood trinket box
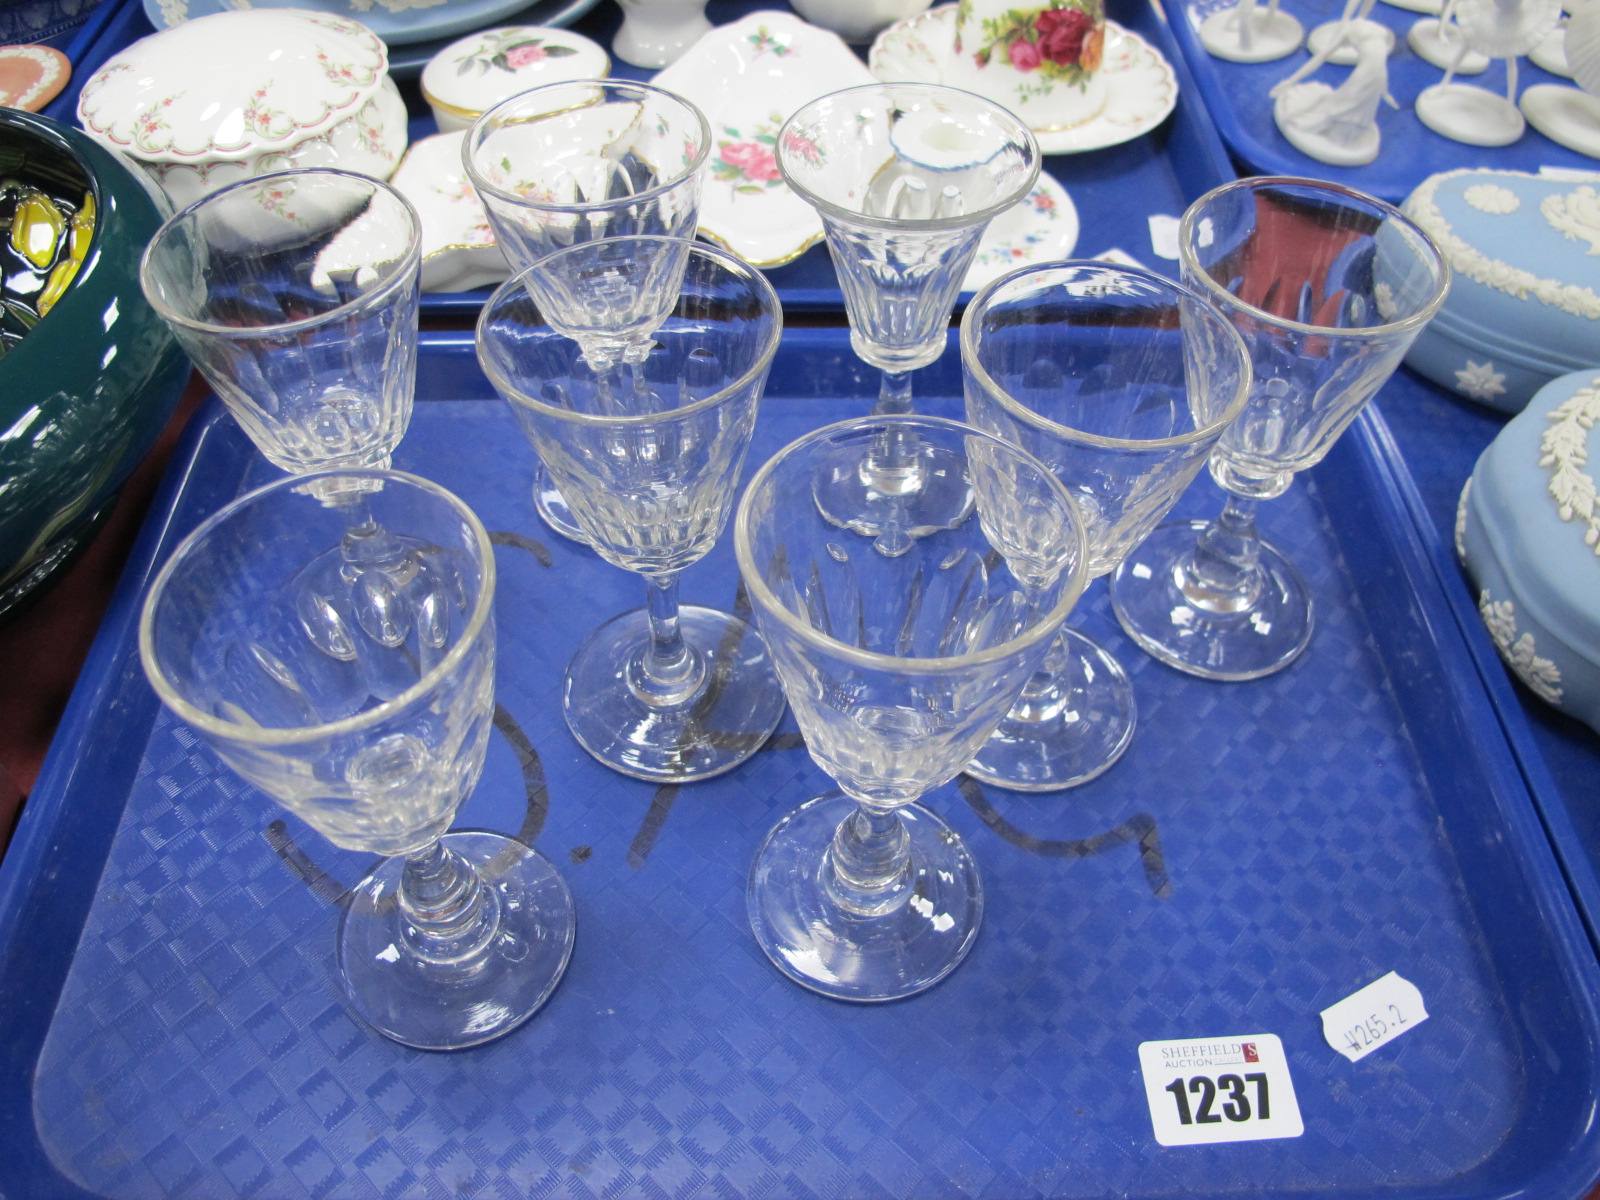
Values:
[(1528, 530), (1524, 305)]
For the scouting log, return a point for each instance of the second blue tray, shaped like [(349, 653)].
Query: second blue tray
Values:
[(172, 1027)]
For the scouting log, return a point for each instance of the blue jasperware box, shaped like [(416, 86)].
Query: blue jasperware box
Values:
[(1263, 850)]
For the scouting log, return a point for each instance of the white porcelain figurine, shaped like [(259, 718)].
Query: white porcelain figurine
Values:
[(1247, 32), (1338, 125)]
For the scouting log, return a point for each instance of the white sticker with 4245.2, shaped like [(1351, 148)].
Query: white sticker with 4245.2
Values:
[(1219, 1089)]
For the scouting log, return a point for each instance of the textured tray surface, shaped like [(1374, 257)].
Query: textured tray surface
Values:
[(1236, 95), (1262, 851)]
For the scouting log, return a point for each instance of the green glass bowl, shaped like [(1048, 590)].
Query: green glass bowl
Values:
[(86, 392)]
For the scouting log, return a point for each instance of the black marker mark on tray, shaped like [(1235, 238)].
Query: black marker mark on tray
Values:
[(1141, 827), (533, 782), (644, 841), (504, 537), (297, 860)]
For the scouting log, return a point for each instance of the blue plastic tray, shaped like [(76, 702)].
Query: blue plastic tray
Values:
[(1440, 437), (172, 1028), (1236, 95)]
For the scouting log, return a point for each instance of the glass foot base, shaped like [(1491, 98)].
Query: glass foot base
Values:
[(829, 949), (904, 493), (1064, 738), (1148, 594), (552, 508), (433, 1006), (726, 721)]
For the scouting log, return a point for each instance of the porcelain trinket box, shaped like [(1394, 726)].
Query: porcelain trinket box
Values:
[(1524, 304), (1528, 530), (238, 94), (470, 76)]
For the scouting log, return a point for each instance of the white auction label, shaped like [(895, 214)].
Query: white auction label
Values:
[(1163, 235), (1220, 1089), (1378, 1013)]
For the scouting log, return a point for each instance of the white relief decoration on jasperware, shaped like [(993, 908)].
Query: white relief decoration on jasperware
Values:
[(1575, 216), (1564, 451), (1481, 381), (1461, 519), (174, 12), (1541, 675), (1468, 260), (1383, 297), (1492, 198)]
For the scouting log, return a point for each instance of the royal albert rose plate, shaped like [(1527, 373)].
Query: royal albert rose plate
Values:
[(1141, 89), (748, 78)]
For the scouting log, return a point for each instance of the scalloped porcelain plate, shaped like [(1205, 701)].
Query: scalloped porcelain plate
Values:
[(1141, 87), (458, 248), (1042, 227), (748, 78), (398, 22)]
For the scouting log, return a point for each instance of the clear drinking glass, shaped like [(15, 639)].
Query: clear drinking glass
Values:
[(1328, 287), (906, 178), (296, 296), (1120, 381), (647, 451), (455, 938), (579, 161), (898, 666)]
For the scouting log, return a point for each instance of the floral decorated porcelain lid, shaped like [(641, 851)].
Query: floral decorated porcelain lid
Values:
[(230, 84), (471, 76)]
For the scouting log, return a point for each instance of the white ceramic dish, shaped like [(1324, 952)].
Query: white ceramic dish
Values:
[(395, 21), (748, 78), (1042, 228), (470, 76), (459, 252), (239, 94), (1141, 87)]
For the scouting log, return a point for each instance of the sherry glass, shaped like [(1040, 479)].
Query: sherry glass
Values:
[(455, 938), (296, 296), (1121, 382), (1329, 287), (647, 450), (905, 177), (898, 665), (583, 160)]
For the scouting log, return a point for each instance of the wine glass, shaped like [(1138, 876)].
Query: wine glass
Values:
[(898, 665), (647, 451), (296, 296), (1120, 381), (583, 160), (455, 938), (1329, 287), (905, 178)]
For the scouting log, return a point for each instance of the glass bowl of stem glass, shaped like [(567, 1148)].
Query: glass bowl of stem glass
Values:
[(454, 938), (645, 437), (1120, 381), (905, 177), (1328, 287), (898, 663)]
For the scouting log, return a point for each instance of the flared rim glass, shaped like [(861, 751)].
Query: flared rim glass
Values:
[(501, 115), (406, 267), (1046, 627), (1429, 253), (757, 368), (258, 735), (1157, 284), (934, 90)]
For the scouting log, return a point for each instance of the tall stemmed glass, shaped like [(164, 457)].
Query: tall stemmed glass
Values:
[(453, 939), (579, 161), (898, 666), (647, 452), (296, 296), (905, 177), (1121, 382), (1329, 287)]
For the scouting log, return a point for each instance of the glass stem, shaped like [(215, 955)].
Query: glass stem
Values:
[(669, 672), (448, 917), (1049, 692), (1224, 575), (894, 395), (868, 869)]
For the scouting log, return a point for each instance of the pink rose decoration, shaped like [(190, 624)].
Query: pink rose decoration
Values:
[(524, 56), (1061, 34), (754, 159), (1024, 55)]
